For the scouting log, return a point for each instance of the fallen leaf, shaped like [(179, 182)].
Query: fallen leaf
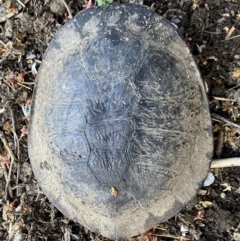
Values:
[(236, 73), (238, 190), (7, 210), (227, 187), (7, 127), (206, 204), (15, 232), (113, 191)]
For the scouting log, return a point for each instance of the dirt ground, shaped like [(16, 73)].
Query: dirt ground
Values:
[(211, 29)]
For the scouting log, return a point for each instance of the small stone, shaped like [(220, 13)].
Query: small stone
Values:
[(209, 180), (57, 6)]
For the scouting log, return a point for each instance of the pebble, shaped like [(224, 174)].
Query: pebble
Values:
[(57, 6)]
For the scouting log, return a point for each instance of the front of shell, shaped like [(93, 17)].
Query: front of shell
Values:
[(120, 135)]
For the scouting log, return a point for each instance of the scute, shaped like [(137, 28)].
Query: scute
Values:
[(110, 134), (71, 146), (112, 209), (147, 143), (110, 53), (120, 124), (71, 120), (104, 101), (144, 183), (80, 180), (109, 166), (74, 81)]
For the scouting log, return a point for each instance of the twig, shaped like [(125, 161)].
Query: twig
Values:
[(8, 189), (28, 83), (4, 141), (220, 144), (205, 31), (173, 10), (16, 147), (68, 9), (21, 3), (17, 142), (13, 157), (9, 175), (232, 88), (9, 85), (225, 120), (18, 83), (4, 45), (18, 174), (223, 99), (227, 162), (236, 36), (13, 130)]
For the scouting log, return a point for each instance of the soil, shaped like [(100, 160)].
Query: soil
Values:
[(211, 29)]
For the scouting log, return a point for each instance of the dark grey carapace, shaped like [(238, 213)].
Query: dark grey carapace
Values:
[(120, 136)]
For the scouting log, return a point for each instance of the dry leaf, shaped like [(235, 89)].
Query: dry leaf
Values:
[(7, 210), (227, 187), (206, 204), (236, 73), (7, 127), (7, 49), (10, 8), (19, 46), (15, 232), (113, 191), (238, 190)]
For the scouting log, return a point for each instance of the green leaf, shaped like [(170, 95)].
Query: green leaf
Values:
[(99, 2), (104, 2)]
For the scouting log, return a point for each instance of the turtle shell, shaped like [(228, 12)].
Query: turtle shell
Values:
[(120, 134)]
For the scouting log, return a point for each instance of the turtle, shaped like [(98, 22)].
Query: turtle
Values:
[(120, 134)]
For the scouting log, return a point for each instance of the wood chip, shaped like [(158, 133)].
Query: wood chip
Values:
[(230, 32)]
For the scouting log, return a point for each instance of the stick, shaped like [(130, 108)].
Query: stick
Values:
[(223, 99), (68, 9), (219, 144), (226, 162), (236, 36), (8, 189), (21, 3), (205, 31), (14, 133), (225, 120), (16, 148), (4, 141), (9, 176), (13, 157)]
